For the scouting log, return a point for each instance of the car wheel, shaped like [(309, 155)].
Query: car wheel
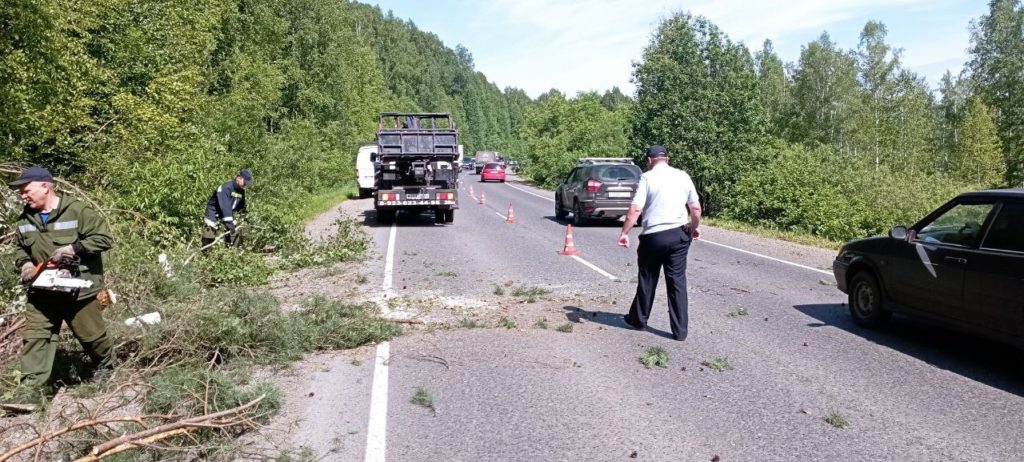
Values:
[(560, 213), (866, 304), (577, 215)]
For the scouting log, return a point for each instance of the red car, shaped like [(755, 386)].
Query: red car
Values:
[(493, 171)]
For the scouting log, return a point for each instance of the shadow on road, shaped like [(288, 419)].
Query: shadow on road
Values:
[(981, 360), (593, 223), (577, 315), (404, 219)]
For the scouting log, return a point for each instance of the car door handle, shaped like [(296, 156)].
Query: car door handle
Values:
[(956, 260)]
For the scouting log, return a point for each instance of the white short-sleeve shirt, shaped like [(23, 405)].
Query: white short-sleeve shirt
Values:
[(662, 195)]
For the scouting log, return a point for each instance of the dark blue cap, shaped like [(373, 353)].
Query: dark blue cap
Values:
[(657, 151), (33, 173), (246, 176)]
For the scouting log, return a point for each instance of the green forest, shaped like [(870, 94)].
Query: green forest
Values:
[(149, 104)]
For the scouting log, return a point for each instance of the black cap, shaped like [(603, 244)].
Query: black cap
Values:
[(30, 174), (657, 151), (246, 176)]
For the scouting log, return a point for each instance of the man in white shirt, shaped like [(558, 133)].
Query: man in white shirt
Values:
[(671, 219)]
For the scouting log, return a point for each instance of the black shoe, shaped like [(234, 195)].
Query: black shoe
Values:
[(630, 324)]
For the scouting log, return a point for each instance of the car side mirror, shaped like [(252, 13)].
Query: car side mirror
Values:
[(898, 232)]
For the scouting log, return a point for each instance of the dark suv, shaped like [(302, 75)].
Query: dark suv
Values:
[(597, 188), (962, 266)]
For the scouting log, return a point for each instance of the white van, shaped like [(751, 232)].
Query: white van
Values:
[(366, 170)]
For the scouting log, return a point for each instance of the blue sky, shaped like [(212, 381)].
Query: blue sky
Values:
[(580, 45)]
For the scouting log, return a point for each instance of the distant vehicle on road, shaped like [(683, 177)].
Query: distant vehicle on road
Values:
[(467, 164), (366, 169), (961, 266), (493, 171), (482, 158), (597, 188)]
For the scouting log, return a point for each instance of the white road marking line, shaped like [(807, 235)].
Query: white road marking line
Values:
[(389, 263), (530, 193), (767, 257), (503, 217), (376, 431), (595, 268), (377, 427), (704, 240)]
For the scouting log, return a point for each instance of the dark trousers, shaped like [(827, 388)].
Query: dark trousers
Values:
[(666, 249), (44, 315)]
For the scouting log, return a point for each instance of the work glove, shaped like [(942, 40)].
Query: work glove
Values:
[(61, 252), (27, 271)]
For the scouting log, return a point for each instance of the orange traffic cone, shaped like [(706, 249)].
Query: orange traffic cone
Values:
[(483, 199), (511, 218), (471, 194), (570, 248)]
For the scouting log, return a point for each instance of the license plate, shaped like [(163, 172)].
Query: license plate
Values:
[(618, 194), (416, 196)]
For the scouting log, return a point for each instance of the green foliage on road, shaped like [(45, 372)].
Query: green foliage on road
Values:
[(654, 356), (718, 364), (423, 398), (836, 419)]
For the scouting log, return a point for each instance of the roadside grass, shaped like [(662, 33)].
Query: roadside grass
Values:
[(318, 204), (506, 323), (468, 323), (541, 324), (738, 311), (654, 356), (565, 328), (836, 419), (498, 290), (718, 364), (423, 398), (773, 233), (447, 274)]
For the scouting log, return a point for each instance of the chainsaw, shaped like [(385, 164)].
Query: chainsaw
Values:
[(60, 276)]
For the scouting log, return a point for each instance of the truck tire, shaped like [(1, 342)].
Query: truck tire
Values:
[(449, 216), (439, 217), (386, 216)]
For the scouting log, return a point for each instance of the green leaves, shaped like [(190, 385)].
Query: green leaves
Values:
[(697, 95), (558, 132)]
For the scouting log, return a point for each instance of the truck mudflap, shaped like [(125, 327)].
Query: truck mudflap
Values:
[(433, 198)]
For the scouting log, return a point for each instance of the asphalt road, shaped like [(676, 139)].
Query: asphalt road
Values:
[(909, 392)]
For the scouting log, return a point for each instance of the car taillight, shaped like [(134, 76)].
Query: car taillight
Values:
[(446, 196), (593, 185), (388, 197)]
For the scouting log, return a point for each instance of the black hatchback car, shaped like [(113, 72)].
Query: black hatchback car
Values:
[(597, 188), (962, 266)]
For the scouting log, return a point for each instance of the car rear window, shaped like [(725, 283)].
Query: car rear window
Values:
[(1007, 231), (492, 166), (618, 173)]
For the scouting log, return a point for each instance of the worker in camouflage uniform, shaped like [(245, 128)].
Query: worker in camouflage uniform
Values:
[(55, 227), (224, 206)]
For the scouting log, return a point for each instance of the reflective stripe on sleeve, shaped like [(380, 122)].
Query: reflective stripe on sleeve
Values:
[(23, 229)]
